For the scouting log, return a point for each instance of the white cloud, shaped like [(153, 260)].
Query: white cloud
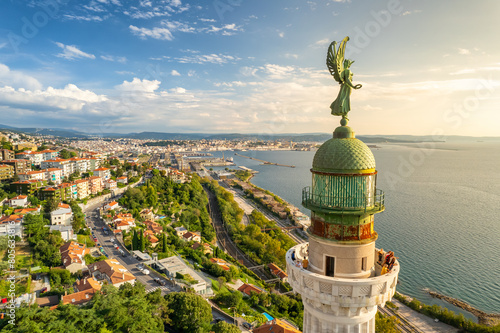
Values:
[(139, 85), (71, 52), (178, 90), (17, 79), (70, 98), (113, 58), (207, 20), (175, 73), (2, 45), (93, 18), (322, 42), (463, 51), (281, 34), (207, 58), (156, 33)]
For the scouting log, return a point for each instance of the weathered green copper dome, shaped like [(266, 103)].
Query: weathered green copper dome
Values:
[(344, 154)]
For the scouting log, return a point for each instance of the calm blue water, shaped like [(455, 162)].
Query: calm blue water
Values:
[(441, 219)]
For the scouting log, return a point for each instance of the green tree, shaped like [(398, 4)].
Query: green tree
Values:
[(190, 312), (142, 241), (223, 327), (385, 324)]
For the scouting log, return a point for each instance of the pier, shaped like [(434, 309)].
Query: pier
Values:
[(265, 162)]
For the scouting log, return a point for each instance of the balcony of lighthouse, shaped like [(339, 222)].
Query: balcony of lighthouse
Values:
[(347, 204), (353, 294)]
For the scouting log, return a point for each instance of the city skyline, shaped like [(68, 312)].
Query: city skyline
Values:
[(104, 66)]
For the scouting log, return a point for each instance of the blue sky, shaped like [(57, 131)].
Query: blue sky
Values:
[(426, 67)]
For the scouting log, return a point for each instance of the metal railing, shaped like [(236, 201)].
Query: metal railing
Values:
[(374, 202)]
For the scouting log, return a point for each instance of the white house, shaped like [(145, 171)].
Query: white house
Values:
[(62, 215), (110, 184), (66, 231), (19, 201), (113, 205)]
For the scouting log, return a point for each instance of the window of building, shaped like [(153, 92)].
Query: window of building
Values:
[(330, 266), (364, 262)]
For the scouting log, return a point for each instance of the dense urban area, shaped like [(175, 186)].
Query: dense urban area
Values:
[(128, 235)]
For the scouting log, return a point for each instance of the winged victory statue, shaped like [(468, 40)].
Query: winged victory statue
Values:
[(339, 69)]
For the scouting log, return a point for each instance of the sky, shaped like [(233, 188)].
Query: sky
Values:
[(240, 66)]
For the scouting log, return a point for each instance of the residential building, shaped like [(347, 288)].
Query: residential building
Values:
[(248, 288), (6, 154), (24, 211), (122, 180), (20, 165), (277, 326), (67, 233), (72, 256), (151, 237), (51, 192), (65, 165), (32, 175), (19, 201), (86, 284), (6, 171), (180, 231), (113, 205), (22, 145), (96, 185), (153, 226), (83, 188), (49, 154), (53, 175), (124, 222), (278, 272), (173, 265), (110, 270), (104, 173), (34, 157), (78, 298), (63, 215), (110, 184), (69, 191), (94, 163), (221, 262), (147, 214), (191, 236), (28, 187), (80, 165), (11, 225)]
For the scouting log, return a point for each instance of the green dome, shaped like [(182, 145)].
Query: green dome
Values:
[(344, 154)]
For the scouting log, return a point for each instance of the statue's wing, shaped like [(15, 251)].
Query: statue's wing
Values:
[(335, 59)]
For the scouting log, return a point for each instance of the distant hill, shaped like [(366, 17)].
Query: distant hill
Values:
[(309, 137)]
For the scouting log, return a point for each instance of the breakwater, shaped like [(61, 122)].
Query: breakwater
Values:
[(265, 162), (484, 318)]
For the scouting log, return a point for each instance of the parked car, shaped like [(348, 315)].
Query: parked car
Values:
[(145, 271), (44, 289), (247, 325)]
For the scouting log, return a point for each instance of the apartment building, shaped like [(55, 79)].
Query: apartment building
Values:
[(104, 173), (28, 187), (96, 184), (6, 154), (6, 171), (65, 165), (83, 188), (34, 157), (20, 165), (80, 165)]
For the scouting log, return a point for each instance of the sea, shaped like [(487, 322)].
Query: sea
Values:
[(442, 217)]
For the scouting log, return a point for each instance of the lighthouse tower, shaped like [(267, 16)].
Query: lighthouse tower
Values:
[(338, 272)]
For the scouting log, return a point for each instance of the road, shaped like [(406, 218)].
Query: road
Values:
[(130, 262)]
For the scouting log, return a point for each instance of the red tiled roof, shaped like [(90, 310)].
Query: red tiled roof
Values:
[(248, 288)]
